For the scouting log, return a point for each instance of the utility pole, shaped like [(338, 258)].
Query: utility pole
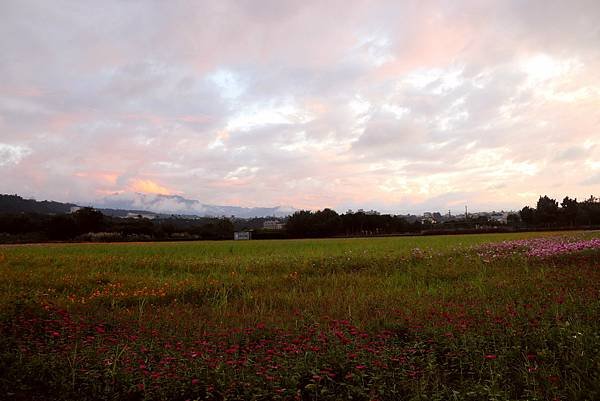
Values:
[(466, 212)]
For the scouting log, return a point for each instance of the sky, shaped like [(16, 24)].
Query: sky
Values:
[(398, 106)]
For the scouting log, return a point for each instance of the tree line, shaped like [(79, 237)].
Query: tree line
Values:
[(548, 213), (328, 223), (570, 213), (88, 224)]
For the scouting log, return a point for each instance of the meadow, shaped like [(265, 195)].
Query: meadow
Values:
[(477, 317)]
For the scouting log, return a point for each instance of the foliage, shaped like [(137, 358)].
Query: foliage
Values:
[(82, 224), (327, 223), (570, 213)]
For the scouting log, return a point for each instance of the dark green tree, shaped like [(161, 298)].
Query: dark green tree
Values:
[(88, 220), (569, 208), (527, 215), (513, 219), (546, 211)]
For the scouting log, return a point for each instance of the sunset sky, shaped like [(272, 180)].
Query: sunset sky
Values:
[(401, 106)]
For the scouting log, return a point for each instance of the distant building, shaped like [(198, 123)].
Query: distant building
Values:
[(501, 217), (428, 218), (74, 209), (140, 216), (242, 235), (273, 225)]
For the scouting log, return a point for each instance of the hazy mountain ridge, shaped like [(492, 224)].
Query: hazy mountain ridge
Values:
[(178, 205), (18, 204), (123, 204)]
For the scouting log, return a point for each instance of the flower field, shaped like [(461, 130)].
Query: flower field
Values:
[(479, 317)]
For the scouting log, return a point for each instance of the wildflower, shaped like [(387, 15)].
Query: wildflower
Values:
[(490, 356), (195, 381)]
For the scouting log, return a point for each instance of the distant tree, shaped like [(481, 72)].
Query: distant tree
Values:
[(88, 220), (299, 223), (589, 211), (223, 229), (546, 211), (527, 215), (513, 219), (569, 208), (21, 223), (62, 227), (326, 223)]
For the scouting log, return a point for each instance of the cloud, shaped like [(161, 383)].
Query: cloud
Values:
[(387, 136), (12, 154), (593, 179), (572, 153), (149, 187), (253, 103)]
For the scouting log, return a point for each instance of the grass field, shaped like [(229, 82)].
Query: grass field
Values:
[(415, 318)]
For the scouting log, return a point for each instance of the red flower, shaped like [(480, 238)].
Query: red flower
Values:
[(553, 379), (195, 381), (490, 356)]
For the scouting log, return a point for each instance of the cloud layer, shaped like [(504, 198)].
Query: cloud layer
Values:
[(399, 106)]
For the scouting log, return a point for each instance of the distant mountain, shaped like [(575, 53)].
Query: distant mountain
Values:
[(124, 205), (178, 205), (17, 204)]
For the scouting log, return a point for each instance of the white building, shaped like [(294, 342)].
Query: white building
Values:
[(273, 225), (140, 216), (501, 217), (242, 235)]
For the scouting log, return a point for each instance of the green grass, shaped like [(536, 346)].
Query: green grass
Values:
[(420, 313)]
